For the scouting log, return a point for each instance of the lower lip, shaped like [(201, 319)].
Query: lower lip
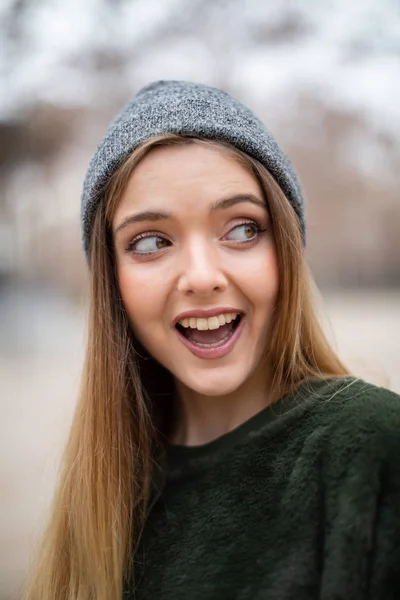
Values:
[(213, 351)]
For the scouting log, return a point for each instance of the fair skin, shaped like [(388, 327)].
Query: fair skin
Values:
[(212, 248)]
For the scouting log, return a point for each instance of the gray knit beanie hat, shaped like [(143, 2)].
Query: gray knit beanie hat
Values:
[(189, 109)]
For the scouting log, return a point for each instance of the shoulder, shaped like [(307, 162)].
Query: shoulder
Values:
[(351, 401), (358, 419)]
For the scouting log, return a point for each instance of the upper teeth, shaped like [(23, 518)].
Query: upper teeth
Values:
[(210, 323)]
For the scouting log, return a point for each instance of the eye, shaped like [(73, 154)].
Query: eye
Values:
[(245, 232), (147, 244)]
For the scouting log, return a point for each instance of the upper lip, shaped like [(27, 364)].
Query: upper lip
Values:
[(204, 313)]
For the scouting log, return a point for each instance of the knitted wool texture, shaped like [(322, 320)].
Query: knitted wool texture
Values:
[(189, 109)]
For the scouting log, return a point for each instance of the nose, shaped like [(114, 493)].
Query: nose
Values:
[(201, 273)]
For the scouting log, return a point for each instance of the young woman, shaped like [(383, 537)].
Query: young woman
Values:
[(220, 449)]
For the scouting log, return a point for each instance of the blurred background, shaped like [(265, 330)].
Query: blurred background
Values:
[(324, 77)]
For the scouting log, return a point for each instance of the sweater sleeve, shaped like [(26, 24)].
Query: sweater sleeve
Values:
[(385, 559), (362, 474)]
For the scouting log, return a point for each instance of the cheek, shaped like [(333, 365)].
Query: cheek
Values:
[(143, 296), (272, 276), (136, 296), (261, 280)]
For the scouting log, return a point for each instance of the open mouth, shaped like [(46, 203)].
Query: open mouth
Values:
[(209, 338)]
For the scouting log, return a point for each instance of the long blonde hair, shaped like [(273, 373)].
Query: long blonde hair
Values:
[(121, 420)]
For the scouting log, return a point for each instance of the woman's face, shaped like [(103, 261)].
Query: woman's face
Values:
[(197, 267)]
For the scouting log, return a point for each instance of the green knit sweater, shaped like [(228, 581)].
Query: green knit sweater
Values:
[(300, 502)]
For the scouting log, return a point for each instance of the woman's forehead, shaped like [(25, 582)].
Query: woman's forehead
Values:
[(190, 173)]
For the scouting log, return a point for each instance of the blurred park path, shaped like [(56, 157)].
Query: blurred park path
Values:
[(41, 350)]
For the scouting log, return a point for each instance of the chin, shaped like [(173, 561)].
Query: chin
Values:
[(209, 385)]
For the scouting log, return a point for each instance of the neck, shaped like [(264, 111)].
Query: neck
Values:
[(201, 419)]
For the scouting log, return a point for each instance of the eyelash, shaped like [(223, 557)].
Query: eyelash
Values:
[(141, 236)]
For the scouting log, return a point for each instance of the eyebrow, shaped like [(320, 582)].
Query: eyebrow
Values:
[(224, 203)]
